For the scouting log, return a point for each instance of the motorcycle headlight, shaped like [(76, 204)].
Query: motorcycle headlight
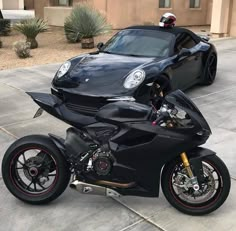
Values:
[(63, 69), (134, 79)]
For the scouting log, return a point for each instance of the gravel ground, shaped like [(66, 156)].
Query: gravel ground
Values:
[(53, 48)]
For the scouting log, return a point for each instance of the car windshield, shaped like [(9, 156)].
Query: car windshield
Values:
[(140, 42)]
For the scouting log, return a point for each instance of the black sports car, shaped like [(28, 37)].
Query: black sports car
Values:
[(132, 65)]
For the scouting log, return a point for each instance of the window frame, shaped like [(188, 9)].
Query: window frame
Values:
[(179, 34), (69, 3), (172, 42), (192, 4), (162, 6)]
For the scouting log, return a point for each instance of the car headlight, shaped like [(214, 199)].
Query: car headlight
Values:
[(134, 79), (63, 69)]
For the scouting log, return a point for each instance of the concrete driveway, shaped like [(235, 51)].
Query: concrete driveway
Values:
[(73, 211)]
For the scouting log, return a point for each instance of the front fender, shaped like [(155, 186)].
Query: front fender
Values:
[(195, 158), (200, 152)]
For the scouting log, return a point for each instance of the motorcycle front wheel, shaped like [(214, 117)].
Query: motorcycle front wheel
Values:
[(177, 189), (34, 170)]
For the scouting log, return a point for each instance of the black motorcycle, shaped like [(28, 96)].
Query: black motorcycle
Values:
[(126, 149)]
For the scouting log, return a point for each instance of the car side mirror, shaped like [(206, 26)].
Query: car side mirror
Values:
[(100, 45), (183, 53), (205, 38)]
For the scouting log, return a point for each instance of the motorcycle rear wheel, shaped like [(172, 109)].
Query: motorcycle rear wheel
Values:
[(212, 195), (34, 170)]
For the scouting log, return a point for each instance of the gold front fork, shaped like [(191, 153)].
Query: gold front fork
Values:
[(186, 164)]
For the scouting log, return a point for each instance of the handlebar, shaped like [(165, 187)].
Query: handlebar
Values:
[(164, 113), (162, 116)]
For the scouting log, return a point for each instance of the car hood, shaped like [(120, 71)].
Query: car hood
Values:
[(104, 73)]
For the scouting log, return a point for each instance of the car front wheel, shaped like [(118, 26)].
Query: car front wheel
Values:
[(209, 73)]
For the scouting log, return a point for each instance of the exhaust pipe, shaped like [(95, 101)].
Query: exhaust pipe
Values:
[(92, 189), (115, 184)]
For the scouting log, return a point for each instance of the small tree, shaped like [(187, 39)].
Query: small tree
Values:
[(85, 23), (31, 28)]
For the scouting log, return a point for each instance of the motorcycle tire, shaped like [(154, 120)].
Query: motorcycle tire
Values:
[(185, 201), (34, 170), (210, 70)]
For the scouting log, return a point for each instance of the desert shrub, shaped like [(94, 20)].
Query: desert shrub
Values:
[(22, 49), (85, 22), (31, 28), (71, 31), (5, 27)]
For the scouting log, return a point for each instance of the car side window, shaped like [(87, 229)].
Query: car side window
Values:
[(184, 40)]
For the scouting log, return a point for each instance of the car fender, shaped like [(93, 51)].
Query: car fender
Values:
[(154, 71), (206, 55), (63, 80)]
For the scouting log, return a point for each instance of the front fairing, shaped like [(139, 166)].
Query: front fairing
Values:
[(180, 100)]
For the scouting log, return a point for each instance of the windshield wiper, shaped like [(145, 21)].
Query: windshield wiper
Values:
[(135, 55)]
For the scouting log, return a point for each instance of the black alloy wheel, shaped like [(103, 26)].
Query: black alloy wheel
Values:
[(178, 190), (210, 70), (34, 170)]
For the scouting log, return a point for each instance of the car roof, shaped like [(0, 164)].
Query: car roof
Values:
[(173, 30)]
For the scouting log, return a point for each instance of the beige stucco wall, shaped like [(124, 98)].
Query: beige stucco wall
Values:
[(123, 13), (223, 18), (220, 17), (12, 4), (1, 5), (209, 12), (98, 4), (40, 4), (56, 15), (29, 4), (232, 27)]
